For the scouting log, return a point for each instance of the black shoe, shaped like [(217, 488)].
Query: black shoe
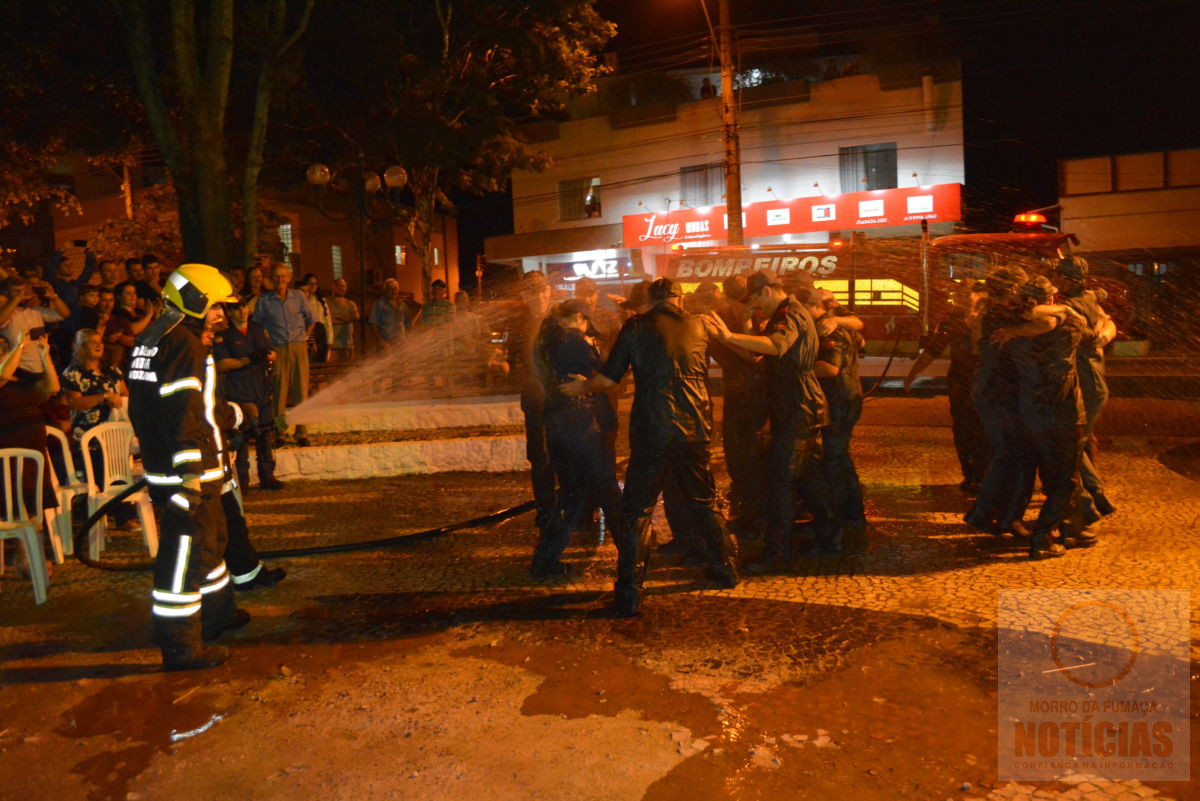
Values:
[(271, 483), (626, 602), (1051, 551), (193, 658), (980, 523), (237, 620), (724, 574), (764, 564), (552, 570), (266, 577), (1018, 529)]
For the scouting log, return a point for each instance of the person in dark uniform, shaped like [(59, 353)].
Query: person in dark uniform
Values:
[(670, 432), (954, 332), (579, 435), (744, 415), (837, 372), (1050, 407), (241, 557), (243, 354), (535, 298), (1089, 361), (173, 406), (997, 507), (798, 412)]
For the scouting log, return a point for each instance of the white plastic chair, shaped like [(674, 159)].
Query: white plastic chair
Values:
[(114, 440), (20, 523), (67, 487)]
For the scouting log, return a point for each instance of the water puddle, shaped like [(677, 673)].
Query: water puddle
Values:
[(145, 717)]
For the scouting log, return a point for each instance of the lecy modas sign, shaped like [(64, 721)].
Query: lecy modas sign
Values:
[(882, 207)]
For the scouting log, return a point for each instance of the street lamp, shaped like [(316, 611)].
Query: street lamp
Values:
[(366, 185)]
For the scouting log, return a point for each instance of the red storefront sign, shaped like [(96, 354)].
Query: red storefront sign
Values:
[(717, 265), (852, 211)]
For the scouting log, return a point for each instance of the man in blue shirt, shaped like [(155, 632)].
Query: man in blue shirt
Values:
[(287, 319)]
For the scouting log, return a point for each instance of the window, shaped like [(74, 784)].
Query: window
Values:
[(436, 258), (701, 185), (579, 199), (401, 255), (865, 167), (285, 238), (336, 253)]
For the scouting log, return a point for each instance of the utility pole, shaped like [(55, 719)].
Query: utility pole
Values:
[(733, 163)]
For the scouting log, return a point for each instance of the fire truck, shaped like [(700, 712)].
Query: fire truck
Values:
[(900, 286)]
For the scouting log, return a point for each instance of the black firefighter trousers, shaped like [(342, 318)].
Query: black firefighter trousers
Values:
[(192, 590), (650, 465)]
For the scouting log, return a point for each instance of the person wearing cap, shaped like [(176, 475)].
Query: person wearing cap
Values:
[(837, 372), (798, 412), (178, 419), (1042, 347), (534, 292), (670, 434), (1089, 361), (604, 321), (579, 435), (244, 356)]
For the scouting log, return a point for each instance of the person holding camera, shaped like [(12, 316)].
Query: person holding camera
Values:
[(27, 307)]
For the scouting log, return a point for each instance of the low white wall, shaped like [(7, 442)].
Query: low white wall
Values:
[(477, 454), (494, 410)]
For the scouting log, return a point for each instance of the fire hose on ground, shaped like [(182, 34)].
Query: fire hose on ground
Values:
[(492, 518)]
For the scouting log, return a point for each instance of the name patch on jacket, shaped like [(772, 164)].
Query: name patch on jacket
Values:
[(139, 366)]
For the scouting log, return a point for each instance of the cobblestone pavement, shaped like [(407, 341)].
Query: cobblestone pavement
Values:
[(870, 674)]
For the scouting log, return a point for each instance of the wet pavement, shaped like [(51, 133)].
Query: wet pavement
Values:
[(439, 670)]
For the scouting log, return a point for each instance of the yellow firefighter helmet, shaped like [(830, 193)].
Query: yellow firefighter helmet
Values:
[(195, 288)]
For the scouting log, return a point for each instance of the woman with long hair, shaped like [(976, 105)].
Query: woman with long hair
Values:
[(256, 284)]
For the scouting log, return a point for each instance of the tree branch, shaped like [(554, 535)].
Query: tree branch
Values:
[(183, 39), (220, 61), (136, 17)]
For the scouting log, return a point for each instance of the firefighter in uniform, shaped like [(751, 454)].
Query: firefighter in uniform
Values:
[(670, 432), (1050, 412), (579, 435), (837, 372), (954, 332), (244, 354), (1000, 499), (174, 410), (798, 412), (1089, 362), (241, 557)]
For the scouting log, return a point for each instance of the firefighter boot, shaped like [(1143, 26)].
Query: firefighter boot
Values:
[(182, 648)]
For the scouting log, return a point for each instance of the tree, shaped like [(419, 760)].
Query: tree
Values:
[(185, 89), (441, 88)]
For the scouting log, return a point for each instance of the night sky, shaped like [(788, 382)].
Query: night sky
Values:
[(1042, 81)]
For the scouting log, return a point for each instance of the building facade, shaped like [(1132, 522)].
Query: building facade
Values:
[(1137, 217), (632, 191)]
